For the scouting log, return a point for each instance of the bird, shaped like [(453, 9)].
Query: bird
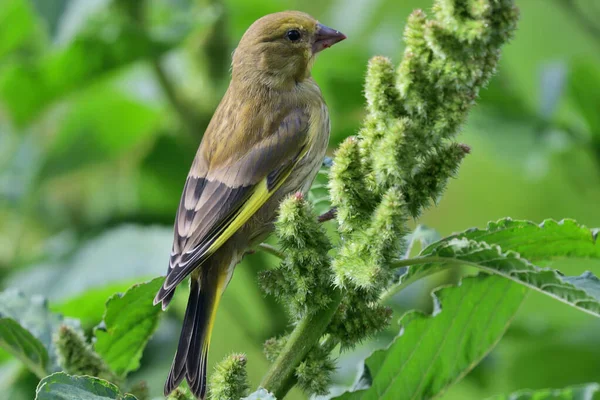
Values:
[(266, 140)]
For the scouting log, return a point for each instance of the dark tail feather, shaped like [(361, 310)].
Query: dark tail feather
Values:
[(177, 372), (192, 351), (164, 296)]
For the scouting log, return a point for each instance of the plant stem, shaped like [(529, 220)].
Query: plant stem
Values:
[(280, 377), (186, 114), (192, 124), (583, 20), (274, 251), (398, 287), (329, 344)]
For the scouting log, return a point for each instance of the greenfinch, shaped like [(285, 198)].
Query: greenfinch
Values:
[(266, 139)]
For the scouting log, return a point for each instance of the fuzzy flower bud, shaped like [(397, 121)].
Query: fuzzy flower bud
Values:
[(140, 390), (181, 393), (412, 81), (303, 280), (348, 187), (430, 180), (364, 257), (314, 373), (394, 156), (358, 317), (77, 357), (230, 380), (414, 37), (400, 160), (449, 58), (273, 347), (380, 89)]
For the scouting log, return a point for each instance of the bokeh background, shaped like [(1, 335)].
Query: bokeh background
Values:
[(103, 103)]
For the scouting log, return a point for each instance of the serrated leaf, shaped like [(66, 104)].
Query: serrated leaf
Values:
[(586, 281), (260, 394), (434, 351), (422, 235), (526, 241), (89, 306), (26, 330), (129, 321), (61, 386), (546, 241), (536, 243), (582, 293), (581, 392)]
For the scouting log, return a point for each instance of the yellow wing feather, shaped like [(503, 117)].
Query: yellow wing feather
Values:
[(259, 196)]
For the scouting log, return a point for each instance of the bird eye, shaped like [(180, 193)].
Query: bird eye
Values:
[(293, 35)]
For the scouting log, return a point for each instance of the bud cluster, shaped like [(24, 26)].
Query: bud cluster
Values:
[(403, 156), (397, 165), (303, 280)]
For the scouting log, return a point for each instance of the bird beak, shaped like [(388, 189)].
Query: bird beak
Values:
[(326, 37)]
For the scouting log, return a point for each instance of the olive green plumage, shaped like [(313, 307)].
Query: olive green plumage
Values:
[(266, 139)]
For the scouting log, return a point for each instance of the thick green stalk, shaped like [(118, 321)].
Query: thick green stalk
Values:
[(280, 377)]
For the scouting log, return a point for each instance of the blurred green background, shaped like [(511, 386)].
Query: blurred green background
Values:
[(102, 106)]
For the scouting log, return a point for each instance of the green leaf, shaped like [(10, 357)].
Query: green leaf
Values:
[(51, 12), (581, 392), (24, 346), (526, 241), (434, 351), (101, 126), (60, 386), (587, 282), (553, 76), (501, 98), (260, 394), (129, 321), (161, 179), (546, 241), (127, 253), (108, 42), (89, 306), (423, 235), (584, 90), (582, 293), (16, 25), (26, 330), (80, 286)]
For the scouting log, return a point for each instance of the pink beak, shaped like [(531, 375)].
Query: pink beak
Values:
[(326, 37)]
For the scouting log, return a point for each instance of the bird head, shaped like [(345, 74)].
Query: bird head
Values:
[(278, 50)]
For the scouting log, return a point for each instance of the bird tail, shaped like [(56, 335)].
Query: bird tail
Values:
[(192, 351)]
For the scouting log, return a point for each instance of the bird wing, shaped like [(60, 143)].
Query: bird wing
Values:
[(218, 200)]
